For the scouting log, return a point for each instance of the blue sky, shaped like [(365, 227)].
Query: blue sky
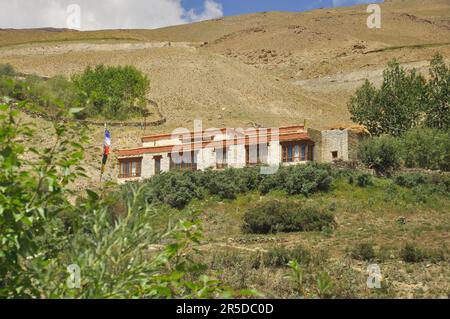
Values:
[(236, 7)]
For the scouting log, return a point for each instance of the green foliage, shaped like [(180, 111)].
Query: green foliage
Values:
[(177, 189), (410, 180), (299, 179), (405, 100), (383, 154), (437, 107), (43, 95), (275, 216), (279, 256), (33, 192), (363, 179), (42, 232), (325, 285), (410, 253), (395, 107), (7, 70), (172, 188), (112, 92), (363, 251), (427, 148)]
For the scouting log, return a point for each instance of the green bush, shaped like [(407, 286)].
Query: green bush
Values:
[(410, 253), (113, 92), (363, 180), (175, 189), (298, 179), (274, 216), (43, 232), (363, 251), (383, 154), (280, 256), (7, 70), (410, 180), (427, 148)]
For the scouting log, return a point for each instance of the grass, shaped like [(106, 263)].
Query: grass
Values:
[(363, 214)]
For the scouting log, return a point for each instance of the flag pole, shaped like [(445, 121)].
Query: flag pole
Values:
[(103, 154)]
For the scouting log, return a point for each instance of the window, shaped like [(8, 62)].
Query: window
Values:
[(310, 152), (296, 152), (334, 154), (256, 154), (183, 164), (157, 164), (130, 167), (221, 158)]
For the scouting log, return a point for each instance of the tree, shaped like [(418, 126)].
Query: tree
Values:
[(383, 154), (112, 92), (427, 148), (395, 107), (437, 108)]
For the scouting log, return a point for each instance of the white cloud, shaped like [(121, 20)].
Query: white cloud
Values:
[(103, 14), (212, 10)]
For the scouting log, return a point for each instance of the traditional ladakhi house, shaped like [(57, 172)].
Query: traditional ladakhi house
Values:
[(222, 148)]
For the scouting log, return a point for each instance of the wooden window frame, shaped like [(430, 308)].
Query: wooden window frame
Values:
[(305, 151), (157, 158), (224, 164), (192, 166), (126, 167), (259, 159)]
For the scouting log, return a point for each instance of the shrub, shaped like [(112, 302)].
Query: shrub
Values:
[(363, 180), (412, 254), (382, 154), (277, 257), (175, 189), (280, 256), (427, 148), (42, 232), (306, 179), (410, 180), (112, 92), (7, 70), (225, 184), (274, 216), (363, 251)]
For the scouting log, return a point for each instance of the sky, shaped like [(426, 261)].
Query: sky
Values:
[(141, 14)]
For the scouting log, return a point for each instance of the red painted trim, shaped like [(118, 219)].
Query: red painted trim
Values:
[(215, 144), (159, 137)]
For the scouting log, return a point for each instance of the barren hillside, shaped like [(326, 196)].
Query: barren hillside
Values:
[(273, 68)]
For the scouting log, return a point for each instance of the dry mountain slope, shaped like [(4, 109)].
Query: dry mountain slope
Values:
[(273, 68), (269, 68)]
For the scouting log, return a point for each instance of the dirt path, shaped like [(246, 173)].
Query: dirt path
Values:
[(61, 48)]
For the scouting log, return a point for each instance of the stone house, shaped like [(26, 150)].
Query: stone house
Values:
[(237, 148)]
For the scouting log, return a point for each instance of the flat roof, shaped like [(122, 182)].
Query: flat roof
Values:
[(247, 140), (159, 137)]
